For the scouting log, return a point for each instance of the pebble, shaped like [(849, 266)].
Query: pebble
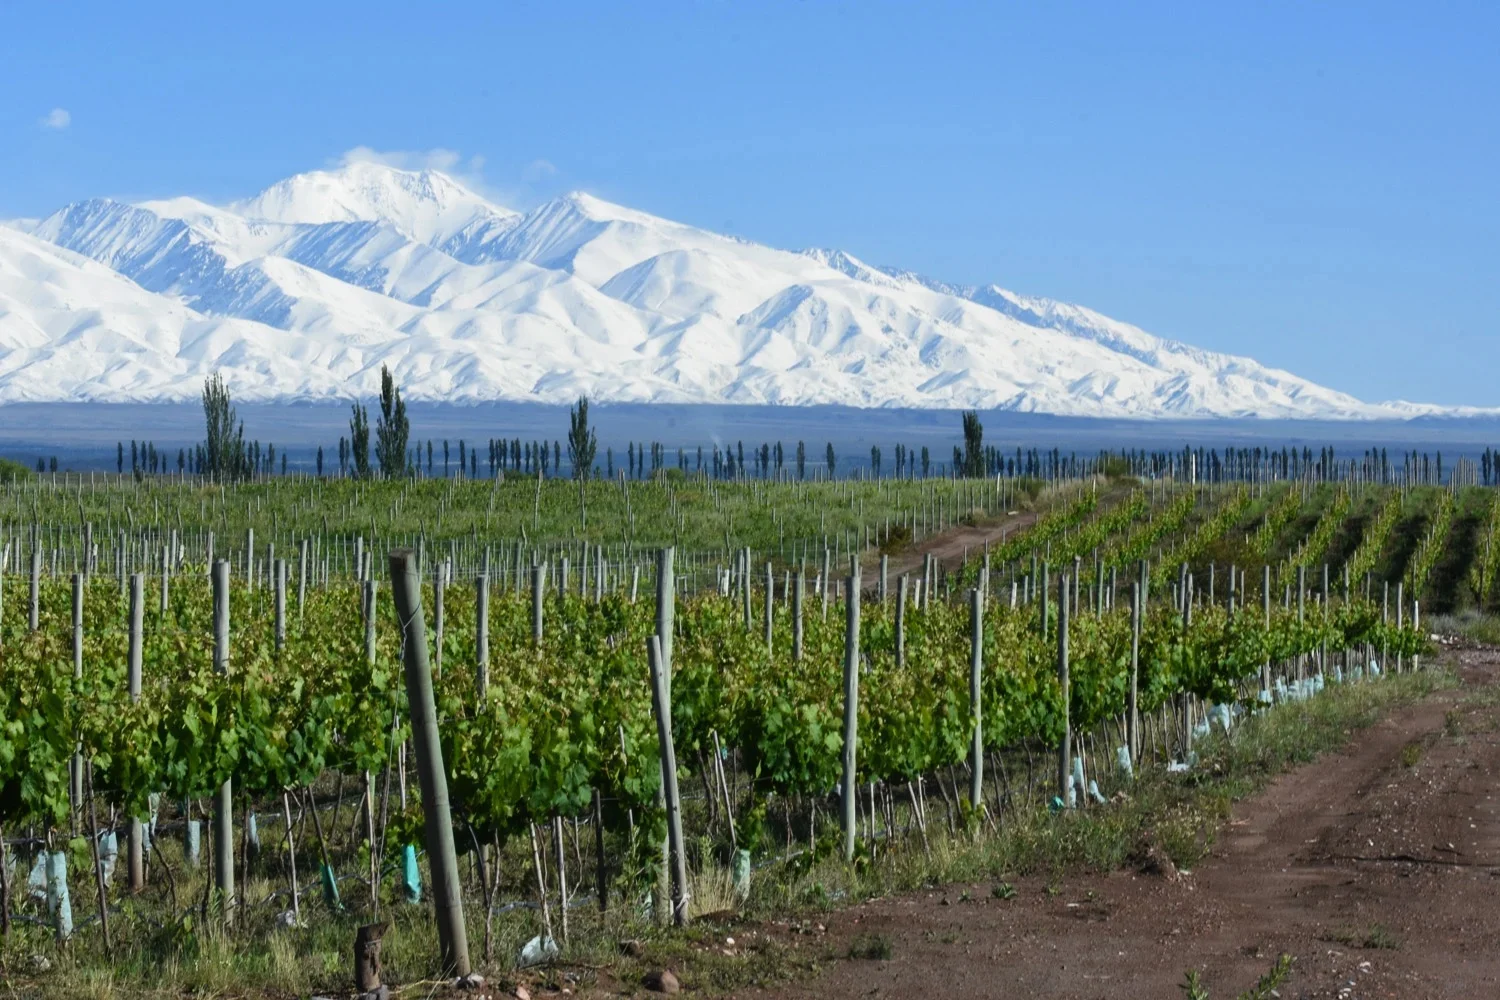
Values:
[(661, 981)]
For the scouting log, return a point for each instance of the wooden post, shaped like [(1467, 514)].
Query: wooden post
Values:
[(367, 957), (136, 862), (1077, 582), (481, 636), (824, 580), (601, 871), (368, 609), (1301, 617), (538, 584), (1065, 745), (1385, 618), (34, 612), (661, 699), (1132, 706), (302, 579), (848, 787), (745, 596), (453, 939), (279, 579), (224, 806), (666, 606), (439, 579), (799, 595), (77, 775), (1265, 607), (770, 602), (1416, 623), (165, 580), (1400, 620), (1187, 699), (903, 597), (1323, 649), (976, 676)]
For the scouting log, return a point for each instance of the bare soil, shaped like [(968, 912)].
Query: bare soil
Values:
[(1376, 867), (949, 547)]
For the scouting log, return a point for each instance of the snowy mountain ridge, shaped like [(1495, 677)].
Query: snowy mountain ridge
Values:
[(304, 290)]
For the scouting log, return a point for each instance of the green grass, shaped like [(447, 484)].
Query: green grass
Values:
[(1264, 988), (871, 947), (1411, 754), (1376, 937), (1467, 624)]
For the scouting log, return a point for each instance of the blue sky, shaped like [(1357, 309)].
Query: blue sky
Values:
[(1314, 185)]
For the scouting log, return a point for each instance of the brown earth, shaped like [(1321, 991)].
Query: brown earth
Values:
[(1377, 867), (951, 546), (948, 547)]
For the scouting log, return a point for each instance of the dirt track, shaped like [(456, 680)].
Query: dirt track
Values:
[(1378, 874), (949, 547)]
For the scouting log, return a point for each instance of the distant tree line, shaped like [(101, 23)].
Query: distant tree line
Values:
[(225, 455)]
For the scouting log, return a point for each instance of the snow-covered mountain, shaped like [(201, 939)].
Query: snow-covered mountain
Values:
[(306, 289)]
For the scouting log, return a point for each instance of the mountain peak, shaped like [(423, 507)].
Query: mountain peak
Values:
[(306, 289), (427, 205)]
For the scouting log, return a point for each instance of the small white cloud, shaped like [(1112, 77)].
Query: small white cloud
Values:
[(538, 170), (444, 160), (57, 119), (467, 170)]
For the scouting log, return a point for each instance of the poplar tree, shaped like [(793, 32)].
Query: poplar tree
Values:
[(359, 441), (224, 435), (582, 441), (973, 455), (392, 429)]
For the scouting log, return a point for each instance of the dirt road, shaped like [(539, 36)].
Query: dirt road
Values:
[(1377, 867), (950, 547)]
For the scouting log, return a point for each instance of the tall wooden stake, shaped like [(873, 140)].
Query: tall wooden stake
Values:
[(661, 701), (1065, 745), (848, 787), (976, 677), (136, 860), (224, 805), (453, 941)]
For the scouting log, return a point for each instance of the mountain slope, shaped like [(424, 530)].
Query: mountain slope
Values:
[(71, 328), (306, 289), (425, 205)]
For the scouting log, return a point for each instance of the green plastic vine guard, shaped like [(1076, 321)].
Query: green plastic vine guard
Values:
[(411, 875)]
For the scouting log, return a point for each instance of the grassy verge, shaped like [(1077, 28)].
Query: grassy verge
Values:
[(728, 947), (1468, 624)]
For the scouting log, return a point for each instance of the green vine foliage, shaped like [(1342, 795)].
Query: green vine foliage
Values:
[(1280, 514), (559, 721), (1430, 548), (1312, 548), (1487, 552), (1193, 545), (1375, 537)]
